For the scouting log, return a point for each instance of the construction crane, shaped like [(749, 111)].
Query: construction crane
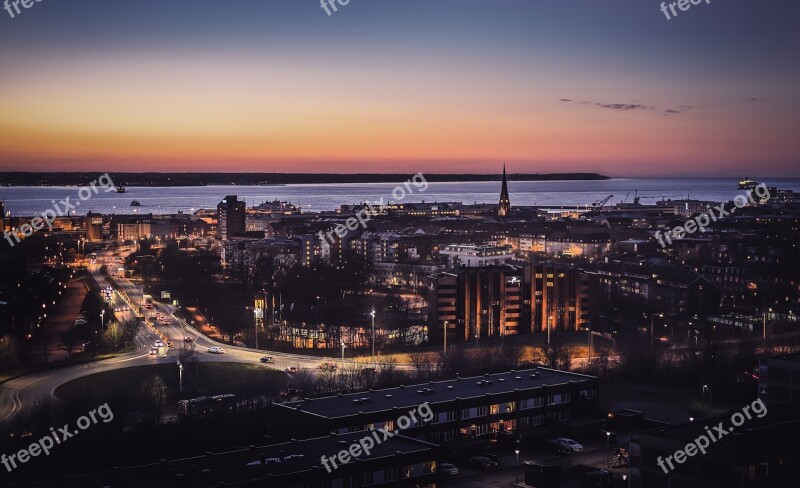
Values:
[(602, 203)]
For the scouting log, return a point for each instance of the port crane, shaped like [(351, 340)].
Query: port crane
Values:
[(602, 203)]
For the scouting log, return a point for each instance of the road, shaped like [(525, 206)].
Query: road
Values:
[(31, 390)]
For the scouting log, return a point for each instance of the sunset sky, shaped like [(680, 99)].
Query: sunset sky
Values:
[(401, 86)]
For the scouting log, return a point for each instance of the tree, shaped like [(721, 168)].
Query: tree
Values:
[(155, 394), (114, 336), (8, 352), (69, 339)]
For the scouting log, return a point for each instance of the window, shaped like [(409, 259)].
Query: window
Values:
[(367, 478), (523, 404), (451, 416), (510, 407), (465, 413), (390, 474), (482, 411), (494, 409)]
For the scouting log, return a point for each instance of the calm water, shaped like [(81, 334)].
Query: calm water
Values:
[(33, 200)]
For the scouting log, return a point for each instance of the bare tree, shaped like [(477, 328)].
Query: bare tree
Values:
[(156, 393), (8, 352), (423, 365)]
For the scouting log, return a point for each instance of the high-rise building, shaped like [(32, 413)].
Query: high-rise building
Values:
[(504, 209), (476, 302), (232, 217)]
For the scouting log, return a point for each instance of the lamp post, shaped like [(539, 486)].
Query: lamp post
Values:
[(549, 318), (516, 471), (589, 355), (608, 447), (372, 314), (652, 316), (102, 320), (342, 355), (445, 337), (180, 377)]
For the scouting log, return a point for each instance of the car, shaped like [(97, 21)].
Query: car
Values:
[(447, 468), (159, 344), (492, 457), (481, 462), (291, 369), (154, 352), (187, 339), (216, 350), (573, 446), (267, 359), (170, 344), (558, 447), (369, 371)]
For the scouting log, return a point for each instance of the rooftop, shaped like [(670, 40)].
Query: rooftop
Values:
[(408, 397), (242, 465)]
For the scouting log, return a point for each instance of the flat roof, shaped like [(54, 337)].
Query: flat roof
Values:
[(408, 397), (243, 465)]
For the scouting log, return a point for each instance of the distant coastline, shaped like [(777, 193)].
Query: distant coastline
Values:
[(264, 179)]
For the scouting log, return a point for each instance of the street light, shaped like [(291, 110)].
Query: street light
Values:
[(102, 317), (516, 471), (372, 314), (549, 318), (342, 355), (445, 337), (608, 448), (180, 375)]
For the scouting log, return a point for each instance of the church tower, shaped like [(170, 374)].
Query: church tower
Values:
[(504, 210)]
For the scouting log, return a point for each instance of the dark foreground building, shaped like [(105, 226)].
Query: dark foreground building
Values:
[(397, 462), (762, 452)]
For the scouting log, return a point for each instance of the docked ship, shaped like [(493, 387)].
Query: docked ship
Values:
[(747, 184), (121, 189), (136, 203)]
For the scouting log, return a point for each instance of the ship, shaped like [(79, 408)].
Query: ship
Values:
[(121, 189), (136, 203), (747, 184)]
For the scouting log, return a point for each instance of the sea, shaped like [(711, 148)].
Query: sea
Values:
[(29, 201)]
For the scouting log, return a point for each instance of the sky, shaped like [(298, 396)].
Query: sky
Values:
[(441, 86)]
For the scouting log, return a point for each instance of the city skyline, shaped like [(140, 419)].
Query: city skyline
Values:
[(391, 86)]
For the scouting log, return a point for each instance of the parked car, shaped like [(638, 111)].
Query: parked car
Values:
[(159, 344), (267, 359), (481, 462), (291, 369), (154, 352), (170, 344), (447, 468), (216, 350), (187, 339), (558, 447), (573, 446), (494, 459)]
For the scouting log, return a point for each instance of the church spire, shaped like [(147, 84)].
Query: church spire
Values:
[(505, 204)]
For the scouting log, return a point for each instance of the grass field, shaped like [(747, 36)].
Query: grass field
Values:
[(127, 386)]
